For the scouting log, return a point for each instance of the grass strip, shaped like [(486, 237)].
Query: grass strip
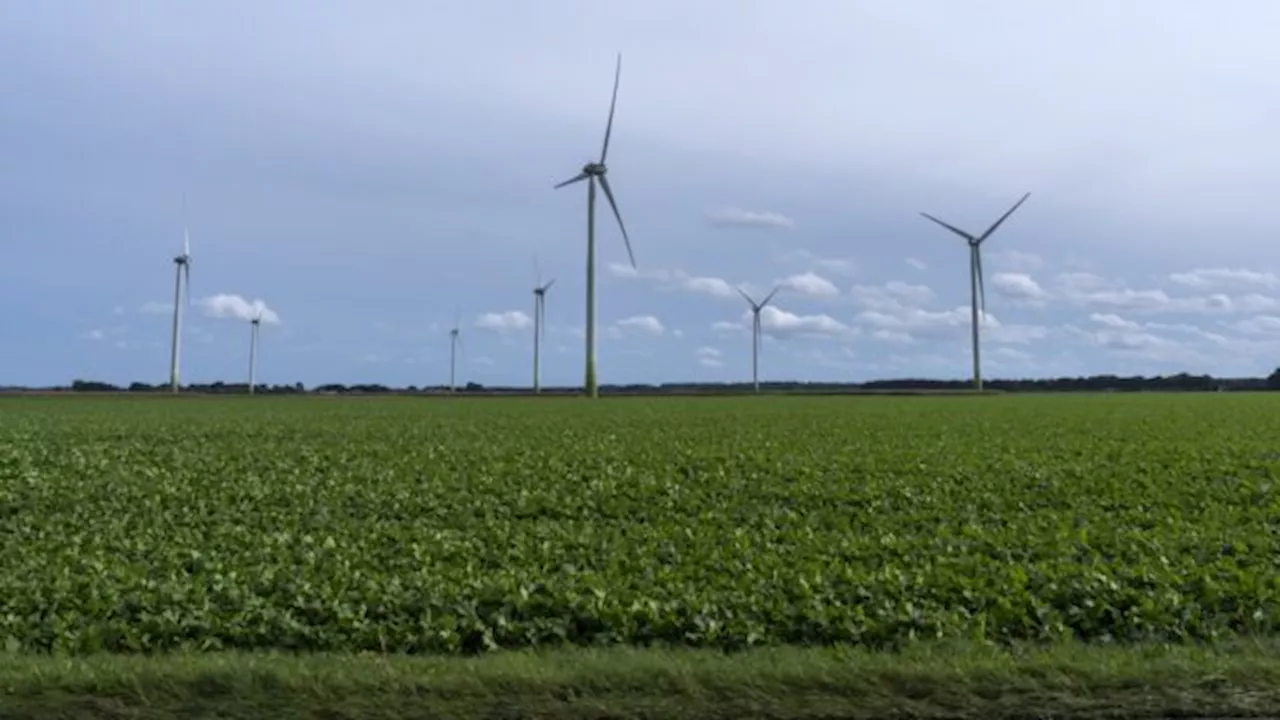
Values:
[(1240, 679)]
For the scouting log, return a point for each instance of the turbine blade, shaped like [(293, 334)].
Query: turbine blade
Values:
[(608, 193), (537, 270), (746, 297), (547, 287), (542, 316), (186, 282), (1003, 217), (613, 105), (950, 227), (576, 178), (769, 297)]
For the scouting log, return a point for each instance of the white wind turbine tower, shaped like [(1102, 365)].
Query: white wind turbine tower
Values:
[(182, 280), (455, 340), (756, 307), (254, 326), (977, 292), (593, 173), (539, 324)]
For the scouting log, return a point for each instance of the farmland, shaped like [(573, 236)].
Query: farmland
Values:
[(455, 526)]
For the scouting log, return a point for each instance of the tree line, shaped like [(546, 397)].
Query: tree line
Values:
[(1181, 382)]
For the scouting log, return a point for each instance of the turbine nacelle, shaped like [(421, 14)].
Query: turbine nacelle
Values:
[(594, 168)]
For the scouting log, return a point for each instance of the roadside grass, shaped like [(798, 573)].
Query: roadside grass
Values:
[(1235, 679)]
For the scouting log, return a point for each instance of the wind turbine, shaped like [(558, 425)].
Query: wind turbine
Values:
[(756, 307), (593, 173), (454, 341), (182, 280), (254, 325), (977, 292), (539, 323)]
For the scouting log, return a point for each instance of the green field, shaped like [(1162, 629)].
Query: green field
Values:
[(453, 526)]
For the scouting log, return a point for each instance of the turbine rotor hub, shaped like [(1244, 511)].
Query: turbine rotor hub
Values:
[(594, 169)]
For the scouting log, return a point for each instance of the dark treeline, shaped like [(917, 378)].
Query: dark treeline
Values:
[(1182, 382)]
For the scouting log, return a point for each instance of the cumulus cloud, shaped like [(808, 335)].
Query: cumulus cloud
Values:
[(1019, 287), (1114, 321), (622, 270), (738, 217), (645, 324), (713, 286), (224, 305), (511, 320), (780, 323), (1205, 278), (809, 283), (709, 357)]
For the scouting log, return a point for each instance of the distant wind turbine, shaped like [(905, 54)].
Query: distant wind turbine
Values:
[(756, 307), (593, 173), (454, 341), (539, 324), (977, 292), (182, 280), (254, 326)]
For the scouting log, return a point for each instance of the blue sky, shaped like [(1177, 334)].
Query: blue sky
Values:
[(367, 170)]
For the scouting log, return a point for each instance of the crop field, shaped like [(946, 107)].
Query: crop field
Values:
[(462, 525)]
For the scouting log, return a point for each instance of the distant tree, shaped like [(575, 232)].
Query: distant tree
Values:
[(92, 386), (1273, 380)]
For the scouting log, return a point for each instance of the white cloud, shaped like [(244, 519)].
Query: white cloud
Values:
[(1009, 356), (1114, 321), (646, 324), (917, 264), (156, 308), (95, 335), (622, 270), (224, 305), (1076, 283), (737, 217), (810, 283), (1259, 325), (709, 357), (713, 286), (893, 295), (1020, 287), (780, 323), (836, 266), (1224, 277), (511, 320)]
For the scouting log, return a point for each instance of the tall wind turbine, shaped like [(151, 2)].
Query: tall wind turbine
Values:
[(539, 325), (593, 173), (977, 292), (454, 340), (254, 325), (182, 280), (756, 307)]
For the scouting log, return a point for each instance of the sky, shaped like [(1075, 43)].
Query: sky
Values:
[(365, 174)]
